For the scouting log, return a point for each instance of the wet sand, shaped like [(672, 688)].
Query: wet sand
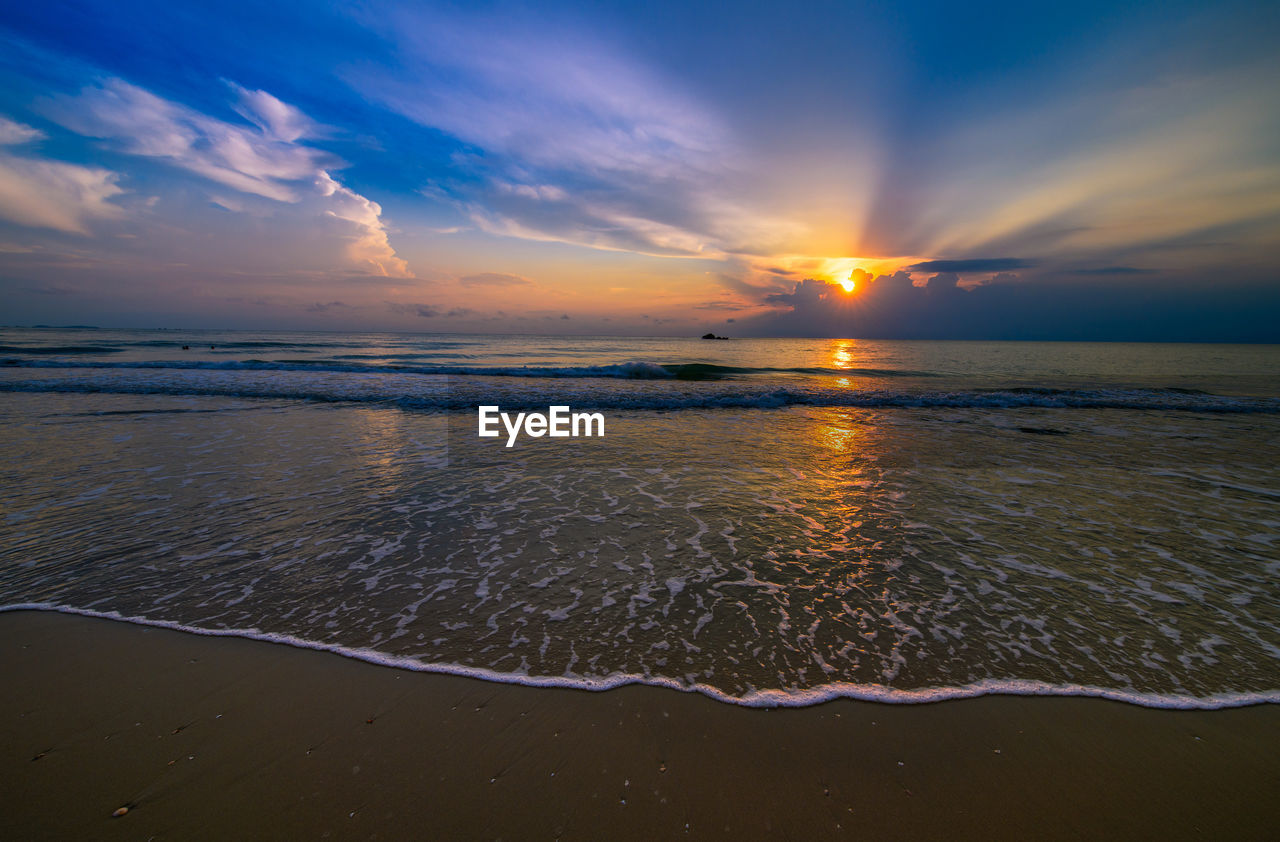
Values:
[(217, 738)]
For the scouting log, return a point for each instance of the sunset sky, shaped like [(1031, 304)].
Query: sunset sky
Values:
[(1009, 170)]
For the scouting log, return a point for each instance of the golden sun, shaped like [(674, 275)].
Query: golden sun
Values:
[(848, 284)]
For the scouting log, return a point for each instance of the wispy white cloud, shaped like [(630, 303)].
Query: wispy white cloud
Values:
[(40, 193), (277, 119), (512, 87), (251, 160), (52, 194), (13, 133), (264, 159), (580, 143)]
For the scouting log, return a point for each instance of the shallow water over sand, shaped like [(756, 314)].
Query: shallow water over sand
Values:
[(765, 556)]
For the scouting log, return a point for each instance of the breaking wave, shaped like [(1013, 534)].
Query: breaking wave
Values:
[(441, 392)]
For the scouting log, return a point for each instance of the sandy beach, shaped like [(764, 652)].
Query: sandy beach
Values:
[(214, 738), (366, 471)]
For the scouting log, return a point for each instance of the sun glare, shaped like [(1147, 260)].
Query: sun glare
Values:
[(848, 284)]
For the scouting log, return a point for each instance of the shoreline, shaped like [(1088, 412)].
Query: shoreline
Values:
[(210, 737), (767, 699)]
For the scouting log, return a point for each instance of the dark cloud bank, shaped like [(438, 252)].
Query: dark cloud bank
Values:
[(890, 307)]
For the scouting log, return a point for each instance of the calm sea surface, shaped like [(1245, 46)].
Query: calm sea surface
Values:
[(765, 521)]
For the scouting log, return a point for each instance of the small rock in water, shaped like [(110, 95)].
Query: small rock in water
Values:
[(119, 812)]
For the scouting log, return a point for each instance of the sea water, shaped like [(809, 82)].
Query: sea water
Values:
[(767, 521)]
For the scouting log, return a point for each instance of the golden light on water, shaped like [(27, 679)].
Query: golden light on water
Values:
[(839, 434), (842, 353), (843, 356)]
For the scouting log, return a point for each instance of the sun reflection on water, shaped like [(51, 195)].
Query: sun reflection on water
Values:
[(842, 353), (382, 442)]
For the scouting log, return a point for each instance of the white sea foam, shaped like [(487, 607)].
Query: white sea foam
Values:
[(916, 539), (755, 699)]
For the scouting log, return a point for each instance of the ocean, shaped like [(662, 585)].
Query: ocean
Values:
[(765, 521)]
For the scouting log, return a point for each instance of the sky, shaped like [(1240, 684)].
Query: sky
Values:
[(1105, 171)]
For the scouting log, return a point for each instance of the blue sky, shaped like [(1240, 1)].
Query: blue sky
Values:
[(991, 170)]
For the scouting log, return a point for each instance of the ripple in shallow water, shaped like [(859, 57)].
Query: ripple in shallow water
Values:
[(869, 551)]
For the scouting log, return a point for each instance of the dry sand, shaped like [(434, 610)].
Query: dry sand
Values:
[(220, 738)]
